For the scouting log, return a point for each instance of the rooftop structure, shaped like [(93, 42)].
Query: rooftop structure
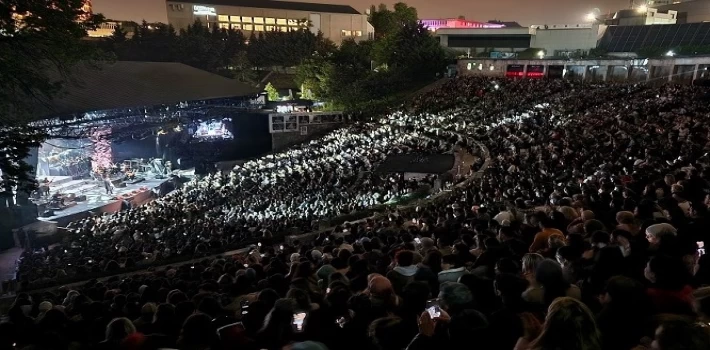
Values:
[(454, 23)]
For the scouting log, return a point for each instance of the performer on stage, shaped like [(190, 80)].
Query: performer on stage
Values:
[(44, 186), (108, 184)]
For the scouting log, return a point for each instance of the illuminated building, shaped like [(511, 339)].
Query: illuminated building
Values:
[(642, 16), (336, 22), (695, 11), (498, 40), (435, 24)]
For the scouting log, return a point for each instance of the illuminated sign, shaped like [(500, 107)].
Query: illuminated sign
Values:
[(204, 10)]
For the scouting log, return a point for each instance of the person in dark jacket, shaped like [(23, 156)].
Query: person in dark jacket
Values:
[(626, 308), (456, 326), (403, 273)]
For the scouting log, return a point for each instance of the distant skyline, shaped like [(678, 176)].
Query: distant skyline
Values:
[(523, 12)]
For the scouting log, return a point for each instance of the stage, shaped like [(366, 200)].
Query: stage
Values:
[(97, 200)]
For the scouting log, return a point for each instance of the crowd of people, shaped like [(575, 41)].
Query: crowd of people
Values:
[(287, 192), (585, 228)]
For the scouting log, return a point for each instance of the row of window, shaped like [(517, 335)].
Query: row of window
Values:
[(258, 27), (351, 32), (261, 20)]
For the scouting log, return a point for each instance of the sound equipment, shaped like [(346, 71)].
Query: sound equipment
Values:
[(48, 213), (121, 185), (137, 180), (80, 198)]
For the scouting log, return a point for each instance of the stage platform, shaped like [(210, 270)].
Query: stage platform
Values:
[(97, 200)]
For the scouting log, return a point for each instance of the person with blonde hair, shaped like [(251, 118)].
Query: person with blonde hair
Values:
[(569, 325), (116, 332)]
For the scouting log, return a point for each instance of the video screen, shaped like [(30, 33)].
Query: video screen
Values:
[(64, 157), (213, 129)]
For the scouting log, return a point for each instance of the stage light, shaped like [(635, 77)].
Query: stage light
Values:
[(541, 54), (642, 9), (591, 17)]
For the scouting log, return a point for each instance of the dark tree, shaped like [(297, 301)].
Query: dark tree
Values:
[(40, 39), (118, 35)]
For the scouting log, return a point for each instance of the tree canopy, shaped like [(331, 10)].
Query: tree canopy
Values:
[(38, 39), (222, 51), (368, 76)]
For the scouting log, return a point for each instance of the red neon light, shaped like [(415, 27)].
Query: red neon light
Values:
[(514, 74), (523, 74)]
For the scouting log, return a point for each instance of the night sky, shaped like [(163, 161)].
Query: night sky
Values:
[(522, 11)]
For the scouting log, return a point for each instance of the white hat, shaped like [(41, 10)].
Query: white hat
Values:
[(657, 230), (45, 306)]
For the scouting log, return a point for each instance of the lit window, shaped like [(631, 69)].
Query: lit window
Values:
[(271, 21), (247, 27), (292, 22), (358, 33), (223, 18), (480, 66), (491, 67), (468, 66), (283, 29), (235, 19), (281, 21), (224, 25), (259, 20), (246, 19), (236, 26), (259, 28), (270, 28), (345, 32)]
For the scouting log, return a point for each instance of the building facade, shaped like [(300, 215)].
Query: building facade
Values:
[(695, 11), (656, 71), (336, 22), (643, 16), (553, 40)]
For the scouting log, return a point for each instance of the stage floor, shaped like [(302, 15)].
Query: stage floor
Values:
[(97, 200)]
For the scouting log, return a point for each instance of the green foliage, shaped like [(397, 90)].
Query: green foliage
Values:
[(387, 22), (404, 53), (119, 35), (411, 50), (598, 52), (285, 49), (313, 75), (271, 92), (242, 69), (45, 42), (215, 50)]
